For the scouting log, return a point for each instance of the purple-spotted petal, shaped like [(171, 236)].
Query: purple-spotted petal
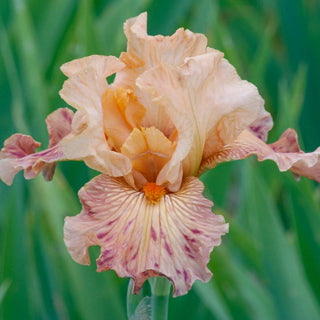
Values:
[(285, 152), (18, 152), (139, 239)]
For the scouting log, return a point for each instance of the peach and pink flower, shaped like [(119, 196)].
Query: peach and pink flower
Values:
[(175, 109)]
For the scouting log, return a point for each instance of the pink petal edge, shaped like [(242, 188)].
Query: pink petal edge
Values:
[(138, 239)]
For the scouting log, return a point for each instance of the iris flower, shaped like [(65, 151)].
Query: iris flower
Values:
[(175, 109)]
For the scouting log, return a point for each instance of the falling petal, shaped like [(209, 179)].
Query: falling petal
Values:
[(139, 239), (285, 152), (18, 152)]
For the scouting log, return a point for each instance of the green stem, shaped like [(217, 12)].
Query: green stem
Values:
[(160, 289)]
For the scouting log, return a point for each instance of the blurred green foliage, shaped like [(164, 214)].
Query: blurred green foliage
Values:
[(268, 266)]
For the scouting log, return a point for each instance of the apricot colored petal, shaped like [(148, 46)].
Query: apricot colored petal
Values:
[(138, 239), (88, 142), (152, 50), (145, 52), (285, 152), (208, 103), (149, 150), (121, 113), (102, 65)]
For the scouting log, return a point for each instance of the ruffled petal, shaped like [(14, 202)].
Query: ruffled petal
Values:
[(18, 152), (285, 152), (152, 50), (262, 125), (84, 91), (102, 65), (139, 239), (145, 52), (58, 125), (209, 105)]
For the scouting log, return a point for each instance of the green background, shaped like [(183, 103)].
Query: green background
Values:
[(268, 266)]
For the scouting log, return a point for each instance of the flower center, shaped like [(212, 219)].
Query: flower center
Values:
[(153, 192)]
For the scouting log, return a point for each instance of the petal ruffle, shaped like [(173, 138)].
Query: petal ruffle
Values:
[(209, 105), (102, 65), (84, 91), (285, 152), (145, 52), (18, 152), (153, 50), (138, 239)]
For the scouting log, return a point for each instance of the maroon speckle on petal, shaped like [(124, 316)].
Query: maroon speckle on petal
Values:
[(185, 275), (166, 245), (178, 271), (156, 265), (101, 235), (187, 248), (134, 256), (163, 236), (192, 240), (108, 239), (127, 226), (196, 231), (111, 222), (153, 234)]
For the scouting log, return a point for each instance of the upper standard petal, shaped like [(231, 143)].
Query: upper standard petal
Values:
[(207, 102)]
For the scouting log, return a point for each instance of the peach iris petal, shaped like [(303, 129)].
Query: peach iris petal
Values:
[(148, 150), (121, 113), (208, 103), (84, 90), (262, 125), (145, 52), (285, 152), (139, 239), (19, 154), (102, 65)]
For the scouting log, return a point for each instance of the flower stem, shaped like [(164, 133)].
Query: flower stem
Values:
[(160, 289)]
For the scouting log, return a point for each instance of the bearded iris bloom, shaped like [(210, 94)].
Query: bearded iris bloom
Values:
[(175, 109)]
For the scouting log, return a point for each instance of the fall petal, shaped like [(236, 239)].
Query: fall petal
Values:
[(58, 125), (139, 239), (285, 152), (262, 125), (18, 152), (12, 159)]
